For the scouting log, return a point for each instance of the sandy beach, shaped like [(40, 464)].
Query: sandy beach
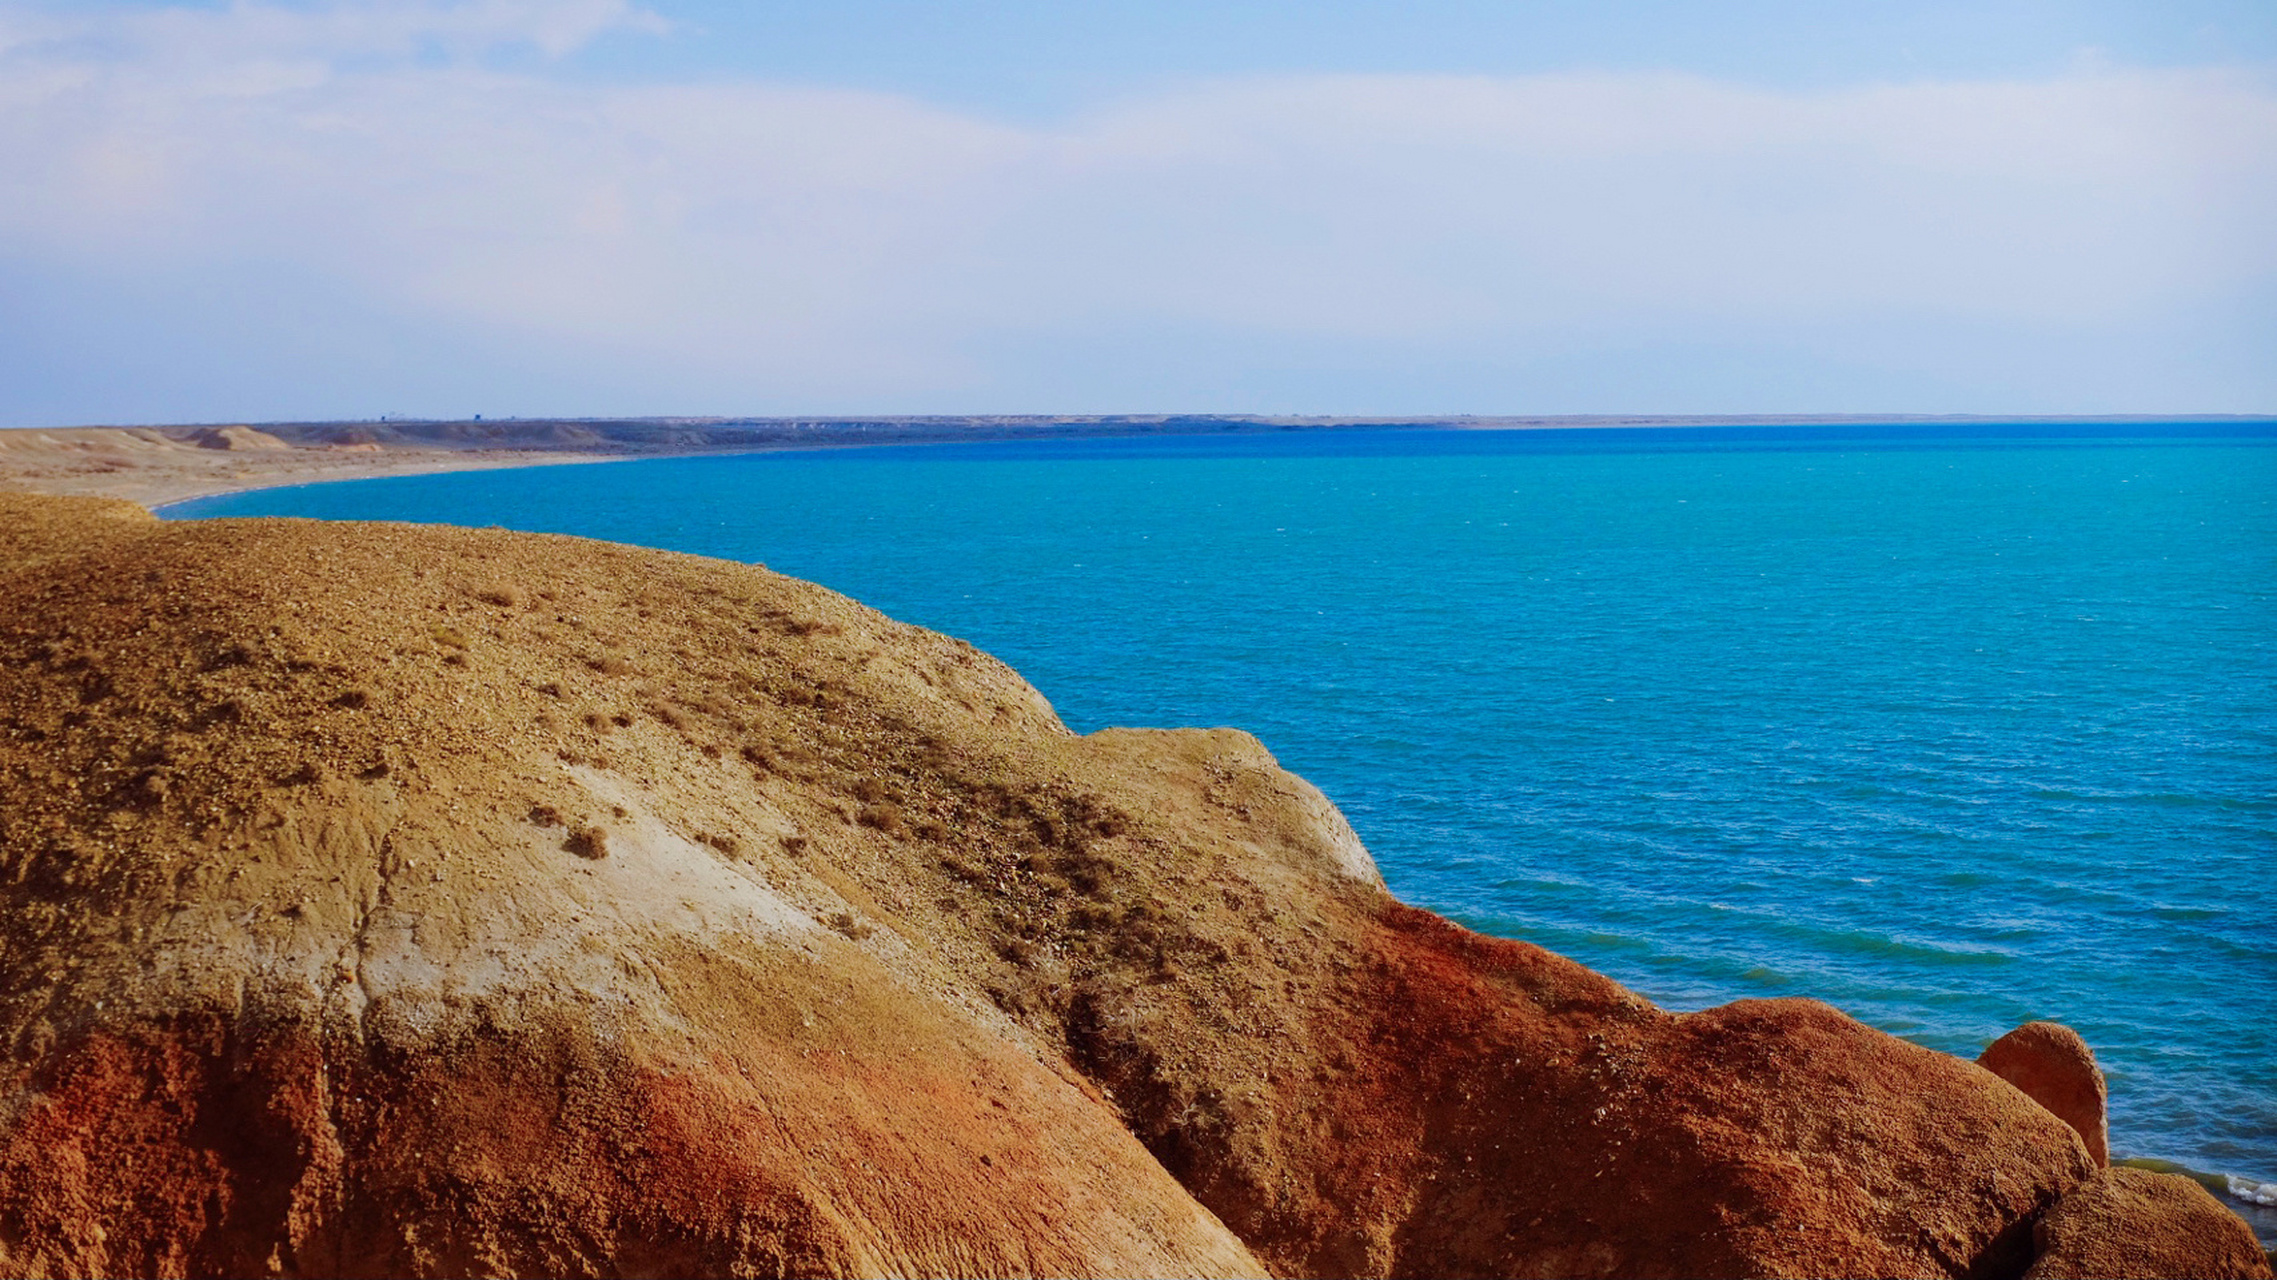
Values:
[(154, 466)]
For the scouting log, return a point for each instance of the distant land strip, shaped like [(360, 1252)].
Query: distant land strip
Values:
[(155, 465)]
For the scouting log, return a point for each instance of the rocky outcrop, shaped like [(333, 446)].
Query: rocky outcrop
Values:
[(2055, 1068), (379, 899), (2152, 1226)]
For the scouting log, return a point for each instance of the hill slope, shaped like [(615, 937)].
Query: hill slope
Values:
[(413, 900)]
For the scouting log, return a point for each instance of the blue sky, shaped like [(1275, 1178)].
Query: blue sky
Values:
[(265, 210), (1043, 56)]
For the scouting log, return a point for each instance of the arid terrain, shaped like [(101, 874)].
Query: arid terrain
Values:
[(395, 900), (155, 466)]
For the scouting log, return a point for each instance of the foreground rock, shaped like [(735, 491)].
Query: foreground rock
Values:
[(2131, 1222), (393, 900)]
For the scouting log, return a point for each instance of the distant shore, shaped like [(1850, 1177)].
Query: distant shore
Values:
[(160, 465)]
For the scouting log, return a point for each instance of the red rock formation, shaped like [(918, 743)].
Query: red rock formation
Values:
[(2146, 1226), (2056, 1069), (392, 900), (1459, 1105)]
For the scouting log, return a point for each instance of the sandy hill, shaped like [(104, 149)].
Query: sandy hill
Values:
[(392, 900)]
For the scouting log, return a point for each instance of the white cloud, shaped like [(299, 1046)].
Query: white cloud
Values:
[(777, 246), (254, 31)]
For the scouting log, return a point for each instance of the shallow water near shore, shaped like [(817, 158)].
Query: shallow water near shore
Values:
[(1950, 729)]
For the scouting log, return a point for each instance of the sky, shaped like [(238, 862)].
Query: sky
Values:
[(267, 211)]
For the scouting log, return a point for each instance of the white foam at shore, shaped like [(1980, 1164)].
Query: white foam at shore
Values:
[(2252, 1192)]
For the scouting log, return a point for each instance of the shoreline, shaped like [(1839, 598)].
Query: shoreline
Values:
[(159, 469), (164, 466), (533, 459)]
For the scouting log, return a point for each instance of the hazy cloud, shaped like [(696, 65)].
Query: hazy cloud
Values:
[(749, 247)]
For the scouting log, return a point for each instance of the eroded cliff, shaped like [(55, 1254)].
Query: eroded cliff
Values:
[(380, 899)]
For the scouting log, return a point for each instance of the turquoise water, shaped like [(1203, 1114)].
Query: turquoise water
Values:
[(1952, 733)]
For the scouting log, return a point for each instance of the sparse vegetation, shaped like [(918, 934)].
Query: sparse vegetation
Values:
[(845, 923)]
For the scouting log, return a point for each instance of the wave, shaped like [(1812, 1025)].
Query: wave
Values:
[(2242, 1190), (2250, 1191)]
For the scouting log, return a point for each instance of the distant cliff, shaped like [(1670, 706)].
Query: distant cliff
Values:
[(391, 900)]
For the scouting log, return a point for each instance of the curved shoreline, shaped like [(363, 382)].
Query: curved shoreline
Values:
[(161, 509), (158, 471)]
